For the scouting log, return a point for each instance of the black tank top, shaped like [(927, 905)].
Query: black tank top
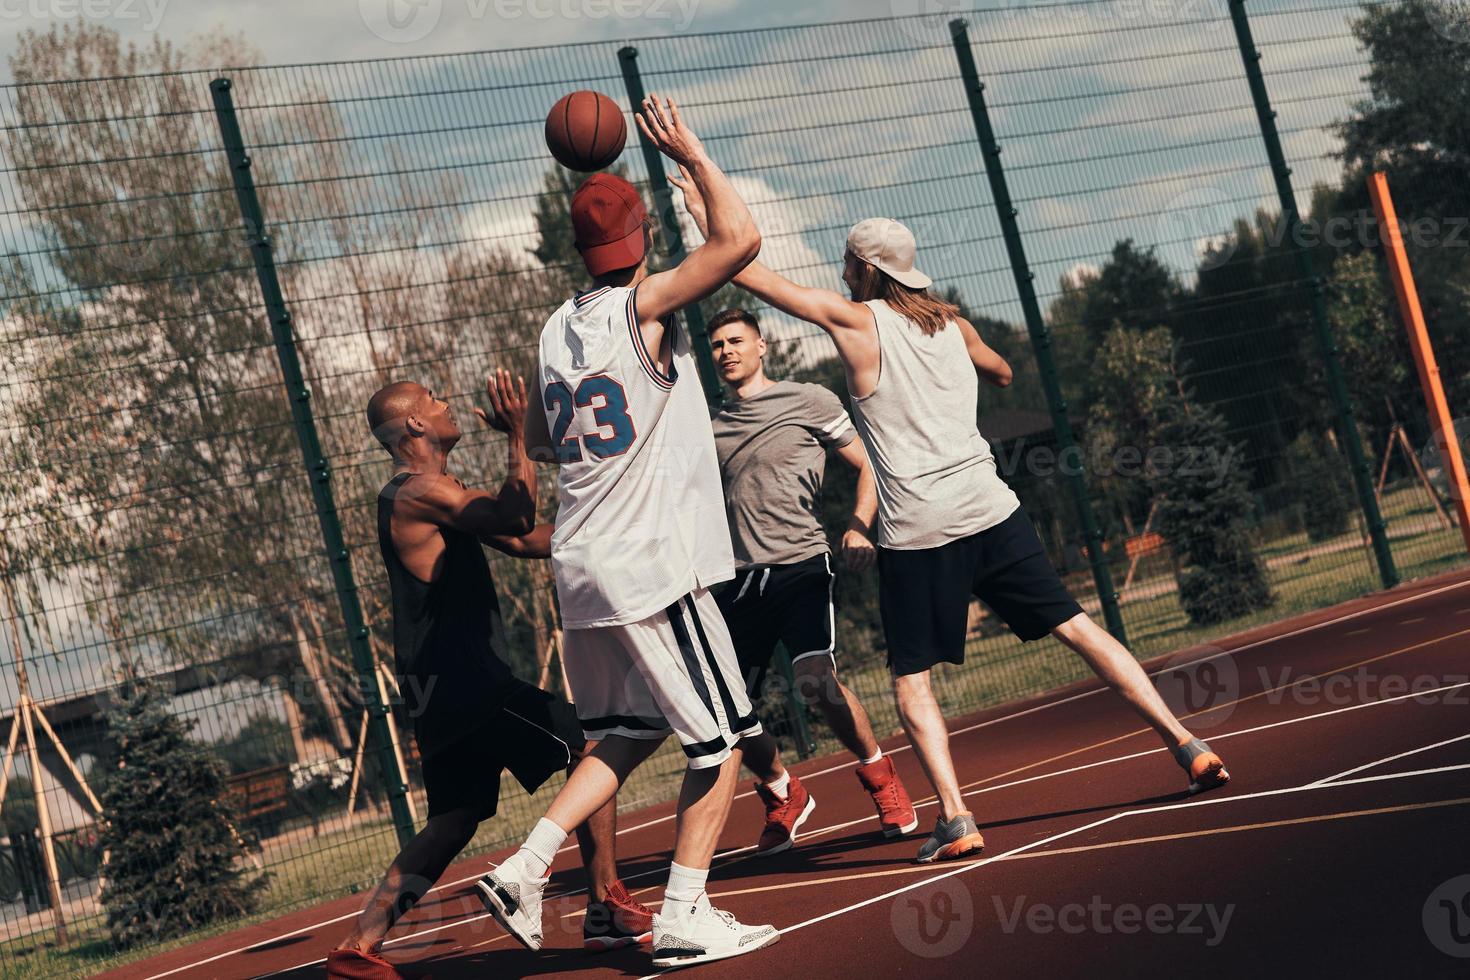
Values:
[(448, 637)]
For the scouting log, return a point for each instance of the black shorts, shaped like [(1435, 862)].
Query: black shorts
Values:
[(533, 734), (924, 595), (790, 604)]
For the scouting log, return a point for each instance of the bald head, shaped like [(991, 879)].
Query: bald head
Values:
[(389, 406)]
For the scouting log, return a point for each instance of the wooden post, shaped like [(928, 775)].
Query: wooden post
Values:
[(43, 817), (381, 672), (1429, 380), (362, 731), (9, 755)]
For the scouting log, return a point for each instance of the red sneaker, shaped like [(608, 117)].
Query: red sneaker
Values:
[(354, 964), (617, 922), (783, 817), (895, 810)]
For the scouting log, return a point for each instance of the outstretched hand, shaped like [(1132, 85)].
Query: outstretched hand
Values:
[(666, 130), (693, 199), (508, 403)]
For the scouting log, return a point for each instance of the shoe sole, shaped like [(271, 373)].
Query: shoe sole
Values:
[(675, 962), (968, 844), (907, 828), (790, 841), (490, 898), (601, 944)]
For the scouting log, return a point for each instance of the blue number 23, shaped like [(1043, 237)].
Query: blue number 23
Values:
[(609, 404)]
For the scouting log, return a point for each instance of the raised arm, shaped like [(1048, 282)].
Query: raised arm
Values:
[(730, 242), (828, 310), (445, 501), (988, 364)]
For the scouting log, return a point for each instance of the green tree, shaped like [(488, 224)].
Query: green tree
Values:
[(175, 852), (1414, 126), (1205, 513), (1323, 487)]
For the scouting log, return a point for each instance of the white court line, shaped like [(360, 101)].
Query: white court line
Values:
[(1092, 826), (830, 769), (1392, 758), (990, 789)]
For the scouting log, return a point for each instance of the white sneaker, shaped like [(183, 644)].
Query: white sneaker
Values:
[(515, 900), (704, 933)]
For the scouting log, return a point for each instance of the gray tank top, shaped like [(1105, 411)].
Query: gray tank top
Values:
[(935, 473)]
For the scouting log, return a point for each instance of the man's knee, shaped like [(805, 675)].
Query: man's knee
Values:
[(453, 829), (816, 680)]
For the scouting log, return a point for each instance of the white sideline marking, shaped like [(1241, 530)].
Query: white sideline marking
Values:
[(1095, 824), (985, 724), (1392, 758)]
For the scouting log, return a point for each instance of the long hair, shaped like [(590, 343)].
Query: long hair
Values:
[(929, 313)]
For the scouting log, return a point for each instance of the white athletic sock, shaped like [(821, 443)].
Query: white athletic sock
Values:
[(539, 850), (781, 786), (684, 888), (875, 758)]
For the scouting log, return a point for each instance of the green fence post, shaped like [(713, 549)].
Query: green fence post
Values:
[(1037, 328), (299, 395), (668, 218), (1347, 425)]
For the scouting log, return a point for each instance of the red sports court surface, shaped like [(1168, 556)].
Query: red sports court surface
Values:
[(1339, 847)]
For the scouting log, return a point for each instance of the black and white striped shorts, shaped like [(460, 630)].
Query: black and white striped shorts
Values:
[(675, 671)]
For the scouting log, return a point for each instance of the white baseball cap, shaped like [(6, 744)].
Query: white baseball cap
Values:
[(889, 246)]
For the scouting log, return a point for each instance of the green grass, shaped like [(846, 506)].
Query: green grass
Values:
[(997, 670)]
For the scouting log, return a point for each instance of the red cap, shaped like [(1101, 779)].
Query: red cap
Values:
[(607, 218)]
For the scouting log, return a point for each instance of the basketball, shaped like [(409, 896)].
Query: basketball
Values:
[(585, 131)]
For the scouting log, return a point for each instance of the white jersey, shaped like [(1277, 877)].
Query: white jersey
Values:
[(640, 519)]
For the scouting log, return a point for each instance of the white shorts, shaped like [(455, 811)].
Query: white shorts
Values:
[(672, 672)]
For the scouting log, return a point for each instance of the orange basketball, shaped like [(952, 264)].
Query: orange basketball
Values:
[(585, 131)]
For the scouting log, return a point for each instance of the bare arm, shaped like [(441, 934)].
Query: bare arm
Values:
[(730, 241), (535, 433), (988, 364), (512, 510), (446, 502), (536, 544), (823, 307), (857, 543)]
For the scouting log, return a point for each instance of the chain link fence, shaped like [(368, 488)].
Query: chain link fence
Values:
[(161, 522)]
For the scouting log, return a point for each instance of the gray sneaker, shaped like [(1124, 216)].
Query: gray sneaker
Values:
[(515, 900), (952, 839), (704, 933)]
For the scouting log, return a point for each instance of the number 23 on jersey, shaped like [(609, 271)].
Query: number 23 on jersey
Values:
[(613, 432)]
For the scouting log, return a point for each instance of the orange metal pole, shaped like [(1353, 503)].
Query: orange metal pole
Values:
[(1408, 296)]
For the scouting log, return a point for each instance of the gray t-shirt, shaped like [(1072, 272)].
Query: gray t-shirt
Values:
[(773, 456)]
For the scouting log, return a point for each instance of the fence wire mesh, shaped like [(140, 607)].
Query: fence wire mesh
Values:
[(158, 519)]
